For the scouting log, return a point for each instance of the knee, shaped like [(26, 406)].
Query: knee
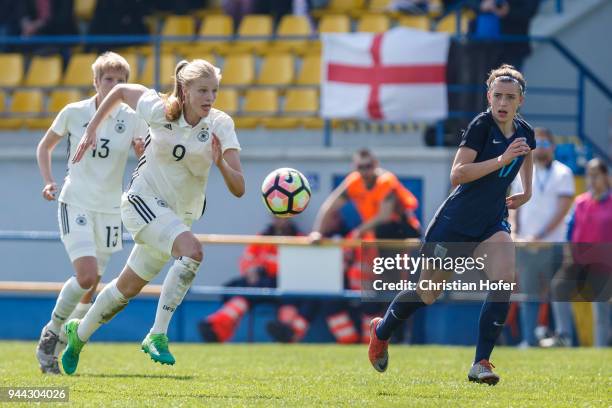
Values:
[(191, 248), (87, 279)]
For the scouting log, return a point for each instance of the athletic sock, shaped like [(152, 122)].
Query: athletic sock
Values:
[(67, 300), (80, 311), (177, 283), (492, 319), (108, 303), (402, 307)]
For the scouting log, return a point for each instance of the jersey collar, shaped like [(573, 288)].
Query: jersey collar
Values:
[(183, 123)]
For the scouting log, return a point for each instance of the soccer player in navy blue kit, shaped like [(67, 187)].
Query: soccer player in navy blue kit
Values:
[(495, 146)]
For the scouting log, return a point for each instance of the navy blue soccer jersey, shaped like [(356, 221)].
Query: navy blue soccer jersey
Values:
[(473, 208)]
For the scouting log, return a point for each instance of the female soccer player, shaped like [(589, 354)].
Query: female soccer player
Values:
[(187, 135), (89, 218), (495, 146)]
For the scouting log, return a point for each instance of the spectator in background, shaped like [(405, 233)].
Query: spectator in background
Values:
[(10, 20), (258, 269), (118, 17), (238, 9), (47, 17), (541, 219), (589, 275), (409, 6)]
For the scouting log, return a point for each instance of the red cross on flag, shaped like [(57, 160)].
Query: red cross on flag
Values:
[(397, 76)]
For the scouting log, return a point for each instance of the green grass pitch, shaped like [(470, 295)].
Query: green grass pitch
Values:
[(120, 375)]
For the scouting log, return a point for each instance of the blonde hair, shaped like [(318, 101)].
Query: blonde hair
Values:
[(110, 61), (184, 73), (507, 73)]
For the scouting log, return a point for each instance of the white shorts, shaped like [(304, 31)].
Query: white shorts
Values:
[(154, 228), (89, 233)]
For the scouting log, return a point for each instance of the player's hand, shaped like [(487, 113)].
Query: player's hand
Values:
[(315, 237), (49, 191), (518, 147), (216, 151), (139, 147), (516, 200), (88, 140)]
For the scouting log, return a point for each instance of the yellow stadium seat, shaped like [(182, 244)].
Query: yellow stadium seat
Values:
[(277, 69), (166, 73), (291, 25), (253, 25), (198, 55), (310, 74), (11, 69), (179, 25), (23, 103), (373, 23), (258, 103), (84, 9), (227, 101), (238, 70), (448, 24), (353, 7), (2, 101), (418, 22), (379, 6), (216, 26), (78, 72), (44, 71), (301, 105), (132, 60), (335, 23), (62, 97)]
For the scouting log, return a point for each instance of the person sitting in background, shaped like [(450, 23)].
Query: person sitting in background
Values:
[(588, 276), (409, 6), (541, 219), (258, 269)]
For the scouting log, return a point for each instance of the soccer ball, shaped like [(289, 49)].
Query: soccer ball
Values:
[(285, 192)]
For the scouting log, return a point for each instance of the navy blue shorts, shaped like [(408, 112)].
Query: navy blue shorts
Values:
[(443, 241)]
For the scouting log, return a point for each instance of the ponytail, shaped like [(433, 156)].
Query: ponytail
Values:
[(174, 101)]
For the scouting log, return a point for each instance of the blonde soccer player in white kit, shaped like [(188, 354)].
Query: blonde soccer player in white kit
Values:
[(89, 215), (187, 136)]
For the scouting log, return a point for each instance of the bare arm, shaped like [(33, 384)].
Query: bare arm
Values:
[(43, 156), (229, 166), (516, 200), (126, 93), (332, 203), (465, 170), (564, 204)]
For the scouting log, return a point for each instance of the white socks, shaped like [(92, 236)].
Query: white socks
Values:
[(108, 303), (177, 283), (79, 311), (67, 300)]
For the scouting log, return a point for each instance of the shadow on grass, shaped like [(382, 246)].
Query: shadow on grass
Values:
[(160, 376)]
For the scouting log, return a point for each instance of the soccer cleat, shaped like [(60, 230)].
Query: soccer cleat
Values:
[(482, 373), (70, 358), (377, 350), (46, 352), (156, 346)]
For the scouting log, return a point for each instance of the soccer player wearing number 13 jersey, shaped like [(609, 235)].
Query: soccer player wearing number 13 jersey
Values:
[(89, 214), (167, 194), (496, 145)]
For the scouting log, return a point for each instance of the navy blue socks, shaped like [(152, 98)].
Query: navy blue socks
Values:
[(492, 319), (402, 307)]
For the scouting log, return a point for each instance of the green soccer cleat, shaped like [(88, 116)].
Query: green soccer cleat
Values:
[(156, 346), (70, 358)]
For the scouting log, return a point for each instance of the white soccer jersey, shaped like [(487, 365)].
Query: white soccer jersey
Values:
[(96, 182), (178, 156)]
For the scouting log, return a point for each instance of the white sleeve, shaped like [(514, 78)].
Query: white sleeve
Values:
[(223, 127), (565, 186), (150, 107), (60, 123), (141, 130)]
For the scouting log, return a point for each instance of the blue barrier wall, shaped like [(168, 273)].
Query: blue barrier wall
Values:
[(441, 323)]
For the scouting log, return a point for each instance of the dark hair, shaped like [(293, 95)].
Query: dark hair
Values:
[(507, 73), (364, 153), (598, 164), (545, 132)]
